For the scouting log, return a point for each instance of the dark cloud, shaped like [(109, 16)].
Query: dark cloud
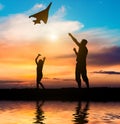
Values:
[(15, 84), (65, 56), (56, 78), (106, 72), (69, 80), (10, 81), (107, 56)]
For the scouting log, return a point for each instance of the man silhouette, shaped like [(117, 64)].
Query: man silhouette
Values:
[(81, 61), (40, 64)]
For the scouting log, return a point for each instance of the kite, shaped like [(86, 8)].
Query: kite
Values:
[(42, 15)]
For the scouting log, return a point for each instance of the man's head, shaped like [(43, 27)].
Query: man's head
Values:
[(84, 42)]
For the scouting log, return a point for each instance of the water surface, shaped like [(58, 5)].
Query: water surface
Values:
[(58, 112)]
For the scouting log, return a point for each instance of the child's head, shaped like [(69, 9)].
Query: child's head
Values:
[(40, 60)]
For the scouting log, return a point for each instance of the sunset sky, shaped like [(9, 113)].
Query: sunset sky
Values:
[(98, 21)]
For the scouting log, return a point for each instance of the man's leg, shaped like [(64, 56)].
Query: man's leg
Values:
[(85, 78), (77, 75)]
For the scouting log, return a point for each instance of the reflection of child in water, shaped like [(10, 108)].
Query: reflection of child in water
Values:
[(39, 63)]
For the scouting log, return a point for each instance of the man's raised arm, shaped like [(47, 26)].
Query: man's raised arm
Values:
[(74, 39)]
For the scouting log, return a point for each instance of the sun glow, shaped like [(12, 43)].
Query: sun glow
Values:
[(53, 37)]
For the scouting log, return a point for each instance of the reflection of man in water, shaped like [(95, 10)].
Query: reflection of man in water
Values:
[(39, 113), (81, 61), (80, 116), (40, 64)]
